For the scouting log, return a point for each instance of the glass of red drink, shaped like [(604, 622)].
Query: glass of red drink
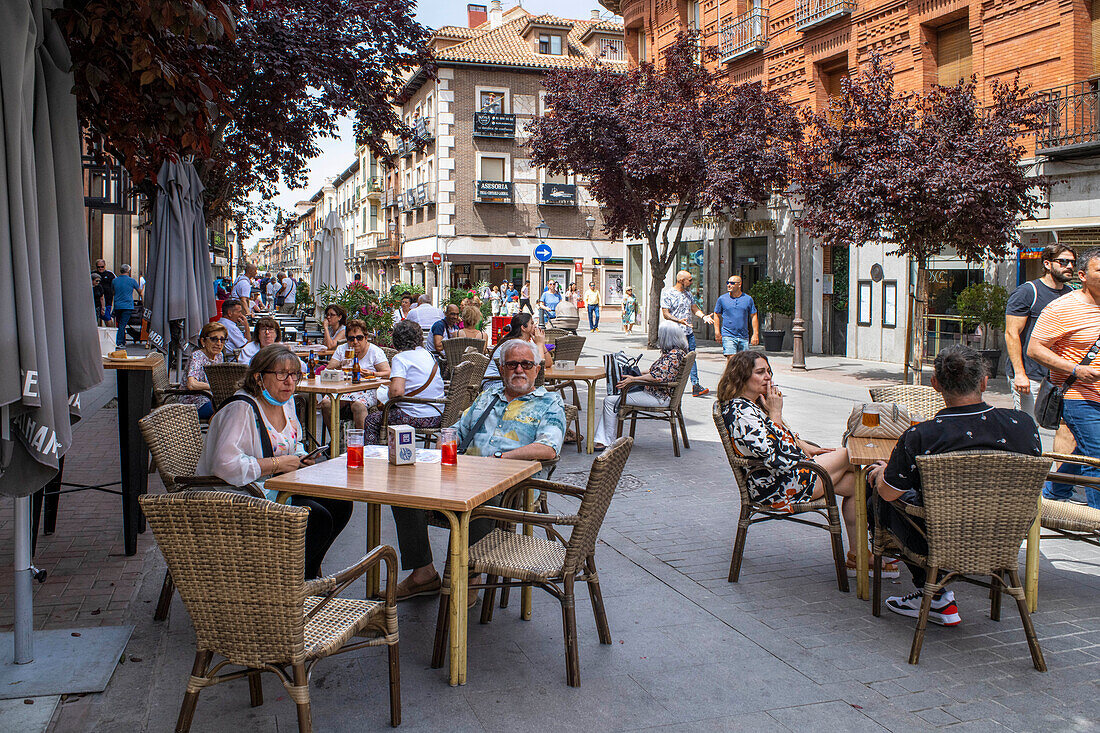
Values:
[(448, 446), (355, 448)]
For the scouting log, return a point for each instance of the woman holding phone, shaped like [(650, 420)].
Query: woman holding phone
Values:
[(256, 434)]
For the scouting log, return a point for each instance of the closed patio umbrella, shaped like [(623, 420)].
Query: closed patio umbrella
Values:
[(47, 319), (328, 258), (179, 283)]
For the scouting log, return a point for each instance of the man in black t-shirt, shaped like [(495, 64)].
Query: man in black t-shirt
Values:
[(966, 423), (1024, 306), (105, 283)]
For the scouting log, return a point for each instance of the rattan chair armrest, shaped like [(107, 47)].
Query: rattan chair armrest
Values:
[(541, 484), (1073, 458), (320, 586), (180, 391), (409, 400), (911, 509), (211, 482), (826, 481), (335, 584), (515, 516), (1073, 478)]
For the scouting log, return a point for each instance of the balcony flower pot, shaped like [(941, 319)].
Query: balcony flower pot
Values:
[(773, 340)]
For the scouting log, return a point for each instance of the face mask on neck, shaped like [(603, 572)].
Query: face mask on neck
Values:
[(272, 401)]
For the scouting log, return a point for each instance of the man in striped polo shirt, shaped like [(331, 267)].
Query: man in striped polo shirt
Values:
[(1063, 335)]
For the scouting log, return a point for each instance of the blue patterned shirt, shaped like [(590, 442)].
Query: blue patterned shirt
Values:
[(536, 417)]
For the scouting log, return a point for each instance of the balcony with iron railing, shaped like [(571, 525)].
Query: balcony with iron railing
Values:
[(1072, 124), (744, 34), (612, 49), (374, 187), (810, 13)]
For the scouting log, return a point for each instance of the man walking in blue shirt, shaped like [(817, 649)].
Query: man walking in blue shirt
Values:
[(736, 319), (548, 303), (125, 287)]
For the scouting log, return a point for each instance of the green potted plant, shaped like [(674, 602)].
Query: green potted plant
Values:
[(984, 304), (773, 298)]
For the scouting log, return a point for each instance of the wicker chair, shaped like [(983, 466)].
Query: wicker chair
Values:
[(825, 507), (454, 349), (671, 413), (164, 392), (554, 564), (239, 562), (462, 390), (553, 334), (480, 362), (921, 401), (978, 507), (1067, 519), (389, 351), (224, 379)]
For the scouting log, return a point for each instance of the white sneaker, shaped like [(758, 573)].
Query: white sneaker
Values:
[(943, 612)]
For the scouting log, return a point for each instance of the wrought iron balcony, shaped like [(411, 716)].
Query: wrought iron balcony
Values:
[(810, 13), (1073, 120), (744, 34), (422, 128)]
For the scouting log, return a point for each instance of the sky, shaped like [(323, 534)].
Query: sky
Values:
[(338, 153)]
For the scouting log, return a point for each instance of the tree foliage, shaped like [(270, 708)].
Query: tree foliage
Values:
[(247, 88), (658, 144)]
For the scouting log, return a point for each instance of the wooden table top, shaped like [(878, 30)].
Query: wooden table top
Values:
[(865, 451), (344, 386), (147, 362), (318, 349), (459, 488), (579, 373)]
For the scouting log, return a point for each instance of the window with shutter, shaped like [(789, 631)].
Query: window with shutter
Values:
[(953, 53)]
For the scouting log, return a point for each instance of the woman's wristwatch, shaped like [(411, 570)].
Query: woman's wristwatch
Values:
[(499, 454)]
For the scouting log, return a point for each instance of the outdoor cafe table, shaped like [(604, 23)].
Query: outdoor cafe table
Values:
[(589, 375), (313, 387), (134, 377), (862, 453), (454, 491)]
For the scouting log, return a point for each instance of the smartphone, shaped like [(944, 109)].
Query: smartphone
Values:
[(316, 453)]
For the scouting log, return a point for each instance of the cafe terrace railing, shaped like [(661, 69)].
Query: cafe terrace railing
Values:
[(744, 34), (942, 331), (815, 12), (1072, 119)]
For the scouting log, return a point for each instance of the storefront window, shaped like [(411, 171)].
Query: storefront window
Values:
[(613, 287), (690, 258), (945, 285)]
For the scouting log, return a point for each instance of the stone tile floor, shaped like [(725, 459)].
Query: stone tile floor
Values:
[(782, 649)]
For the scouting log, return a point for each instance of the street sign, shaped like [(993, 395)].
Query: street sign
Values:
[(578, 267), (698, 257), (543, 253), (436, 258)]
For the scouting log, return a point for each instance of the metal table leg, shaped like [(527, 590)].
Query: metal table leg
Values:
[(862, 560), (374, 538), (457, 612), (525, 591), (135, 398), (334, 426), (1031, 564), (591, 438)]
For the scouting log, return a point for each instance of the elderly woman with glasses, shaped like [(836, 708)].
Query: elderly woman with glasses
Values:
[(371, 359), (212, 339), (657, 383), (256, 434)]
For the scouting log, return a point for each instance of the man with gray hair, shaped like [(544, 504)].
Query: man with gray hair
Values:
[(124, 289), (425, 314), (510, 419), (655, 385)]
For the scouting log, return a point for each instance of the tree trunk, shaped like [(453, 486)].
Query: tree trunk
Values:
[(657, 273), (920, 308)]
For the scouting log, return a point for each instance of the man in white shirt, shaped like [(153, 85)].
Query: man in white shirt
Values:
[(288, 294), (272, 287), (242, 288), (425, 314), (235, 323)]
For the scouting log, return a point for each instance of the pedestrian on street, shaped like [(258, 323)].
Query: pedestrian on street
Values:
[(124, 288), (1065, 339), (106, 277), (736, 319), (270, 288), (548, 303), (592, 300), (630, 307), (494, 300), (288, 293), (97, 298), (242, 288), (525, 297), (677, 305)]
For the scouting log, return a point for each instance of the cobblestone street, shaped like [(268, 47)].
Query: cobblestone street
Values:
[(782, 649)]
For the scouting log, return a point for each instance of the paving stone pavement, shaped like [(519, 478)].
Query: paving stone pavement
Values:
[(782, 649)]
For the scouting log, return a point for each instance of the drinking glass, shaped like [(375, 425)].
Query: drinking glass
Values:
[(448, 447), (355, 448), (870, 416)]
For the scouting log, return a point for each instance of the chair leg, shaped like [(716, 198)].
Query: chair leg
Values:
[(301, 679), (1025, 618), (739, 545), (675, 436), (995, 583), (255, 689), (167, 590), (619, 427), (569, 623), (596, 596), (839, 560), (505, 596), (395, 686), (577, 429), (190, 699), (683, 428), (490, 599), (633, 424), (442, 621), (876, 586), (922, 620)]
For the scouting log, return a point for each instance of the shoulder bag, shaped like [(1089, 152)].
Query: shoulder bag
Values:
[(1050, 399), (893, 420)]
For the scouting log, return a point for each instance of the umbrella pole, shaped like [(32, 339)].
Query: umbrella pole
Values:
[(24, 598)]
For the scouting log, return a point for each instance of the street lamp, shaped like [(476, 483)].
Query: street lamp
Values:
[(589, 225), (793, 199), (542, 231)]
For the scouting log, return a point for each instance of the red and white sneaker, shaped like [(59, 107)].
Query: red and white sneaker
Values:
[(943, 612)]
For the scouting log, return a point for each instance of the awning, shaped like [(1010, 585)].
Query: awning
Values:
[(1057, 225)]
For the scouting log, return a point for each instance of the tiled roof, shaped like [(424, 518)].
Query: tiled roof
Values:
[(456, 31), (506, 45)]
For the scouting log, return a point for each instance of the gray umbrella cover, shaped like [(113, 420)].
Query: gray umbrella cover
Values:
[(328, 259), (179, 283), (47, 318)]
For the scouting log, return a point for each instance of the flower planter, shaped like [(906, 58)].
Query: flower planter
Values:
[(773, 340)]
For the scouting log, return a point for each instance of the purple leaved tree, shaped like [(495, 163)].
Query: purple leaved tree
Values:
[(923, 172), (656, 145)]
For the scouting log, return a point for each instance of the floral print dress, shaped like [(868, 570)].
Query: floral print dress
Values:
[(780, 481)]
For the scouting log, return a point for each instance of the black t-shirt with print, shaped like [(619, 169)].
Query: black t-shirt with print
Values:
[(1028, 301), (969, 427)]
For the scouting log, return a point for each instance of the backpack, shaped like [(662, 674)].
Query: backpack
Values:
[(619, 365)]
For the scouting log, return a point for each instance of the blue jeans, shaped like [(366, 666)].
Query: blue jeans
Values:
[(694, 368), (593, 317), (123, 317), (733, 344), (1083, 419)]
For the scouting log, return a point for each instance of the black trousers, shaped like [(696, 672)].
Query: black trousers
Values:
[(327, 519), (412, 534), (898, 524)]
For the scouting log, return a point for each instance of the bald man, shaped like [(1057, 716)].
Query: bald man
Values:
[(677, 305)]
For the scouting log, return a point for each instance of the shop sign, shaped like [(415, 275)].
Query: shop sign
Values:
[(578, 267), (758, 226), (494, 124), (559, 194), (606, 261), (709, 220), (494, 192)]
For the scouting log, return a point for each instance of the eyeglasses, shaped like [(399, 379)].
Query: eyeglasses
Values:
[(1065, 262), (356, 339), (526, 364), (733, 282), (219, 339), (283, 376)]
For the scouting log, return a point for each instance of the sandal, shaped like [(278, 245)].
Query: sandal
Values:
[(889, 566)]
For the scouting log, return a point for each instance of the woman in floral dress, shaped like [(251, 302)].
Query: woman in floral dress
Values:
[(630, 307)]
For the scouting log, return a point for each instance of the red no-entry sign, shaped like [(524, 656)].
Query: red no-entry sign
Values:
[(437, 258)]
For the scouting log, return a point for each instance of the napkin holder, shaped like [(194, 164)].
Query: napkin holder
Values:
[(401, 440), (332, 375), (565, 366)]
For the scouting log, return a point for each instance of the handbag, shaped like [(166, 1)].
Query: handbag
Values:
[(893, 420), (619, 365), (1051, 398)]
